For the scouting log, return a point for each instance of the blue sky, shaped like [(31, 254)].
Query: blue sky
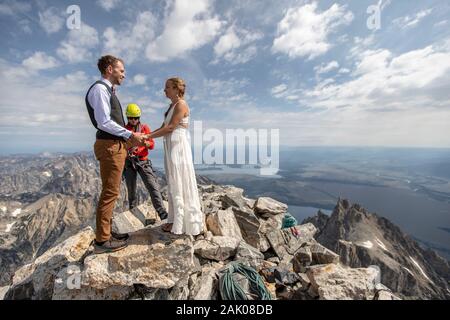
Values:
[(313, 70)]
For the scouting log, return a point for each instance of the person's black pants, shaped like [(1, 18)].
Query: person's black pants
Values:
[(145, 170)]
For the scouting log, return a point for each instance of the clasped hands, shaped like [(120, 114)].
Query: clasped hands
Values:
[(139, 139)]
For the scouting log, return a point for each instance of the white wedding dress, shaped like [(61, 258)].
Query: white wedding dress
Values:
[(184, 203)]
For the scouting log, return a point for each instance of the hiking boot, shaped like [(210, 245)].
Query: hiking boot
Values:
[(120, 236), (112, 245)]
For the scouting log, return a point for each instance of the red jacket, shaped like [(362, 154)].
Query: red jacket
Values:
[(141, 152)]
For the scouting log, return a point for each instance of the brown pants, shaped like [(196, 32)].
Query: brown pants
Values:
[(111, 154)]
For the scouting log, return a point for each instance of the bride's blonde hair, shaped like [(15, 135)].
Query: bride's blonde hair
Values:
[(179, 84)]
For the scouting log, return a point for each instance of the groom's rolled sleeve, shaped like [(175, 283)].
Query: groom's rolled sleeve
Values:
[(99, 99)]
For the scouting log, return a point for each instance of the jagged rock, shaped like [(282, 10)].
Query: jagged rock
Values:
[(285, 276), (249, 255), (128, 221), (302, 259), (322, 255), (210, 206), (265, 206), (268, 225), (208, 235), (180, 291), (287, 241), (385, 295), (3, 291), (268, 273), (153, 258), (347, 252), (206, 286), (67, 286), (233, 197), (362, 239), (336, 282), (223, 223), (250, 202), (284, 292), (144, 293), (219, 248), (135, 219), (249, 225), (271, 223), (319, 221), (266, 265), (192, 283), (304, 280), (274, 260), (35, 280)]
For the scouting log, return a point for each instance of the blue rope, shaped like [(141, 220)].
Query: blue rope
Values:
[(289, 221), (230, 290)]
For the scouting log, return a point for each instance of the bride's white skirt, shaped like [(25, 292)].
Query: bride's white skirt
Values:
[(184, 202)]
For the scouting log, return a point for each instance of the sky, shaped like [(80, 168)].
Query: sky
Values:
[(326, 73)]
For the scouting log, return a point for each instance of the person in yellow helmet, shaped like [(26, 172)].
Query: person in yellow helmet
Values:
[(137, 162)]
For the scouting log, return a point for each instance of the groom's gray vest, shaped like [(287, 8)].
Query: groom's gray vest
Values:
[(116, 114)]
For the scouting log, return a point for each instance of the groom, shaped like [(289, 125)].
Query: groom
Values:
[(110, 148)]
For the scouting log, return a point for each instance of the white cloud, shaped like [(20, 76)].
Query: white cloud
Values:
[(389, 100), (278, 90), (382, 81), (303, 32), (222, 93), (233, 46), (227, 42), (325, 68), (39, 61), (441, 23), (78, 44), (25, 26), (139, 80), (108, 5), (360, 45), (51, 20), (130, 40), (48, 103), (411, 21), (20, 11), (12, 8), (189, 25)]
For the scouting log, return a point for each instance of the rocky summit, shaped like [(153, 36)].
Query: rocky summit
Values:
[(350, 255), (292, 262)]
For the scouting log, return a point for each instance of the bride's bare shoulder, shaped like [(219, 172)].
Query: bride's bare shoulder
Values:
[(183, 105)]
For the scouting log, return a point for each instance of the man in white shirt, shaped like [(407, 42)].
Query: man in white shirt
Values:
[(110, 148)]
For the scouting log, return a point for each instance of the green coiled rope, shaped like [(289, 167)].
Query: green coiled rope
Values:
[(288, 221), (230, 290)]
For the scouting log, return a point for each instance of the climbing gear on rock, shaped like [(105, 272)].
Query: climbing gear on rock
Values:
[(288, 221), (231, 290)]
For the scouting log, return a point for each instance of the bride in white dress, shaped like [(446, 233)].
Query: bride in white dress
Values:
[(185, 215)]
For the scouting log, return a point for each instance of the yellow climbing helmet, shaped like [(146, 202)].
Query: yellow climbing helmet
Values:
[(133, 110)]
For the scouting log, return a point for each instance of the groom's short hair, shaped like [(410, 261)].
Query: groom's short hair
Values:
[(106, 61)]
